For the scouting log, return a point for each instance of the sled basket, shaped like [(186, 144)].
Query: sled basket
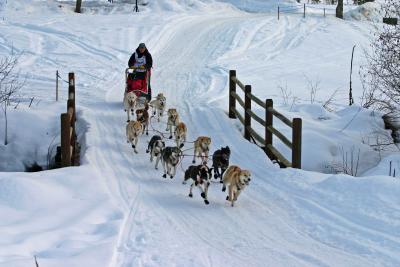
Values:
[(137, 81)]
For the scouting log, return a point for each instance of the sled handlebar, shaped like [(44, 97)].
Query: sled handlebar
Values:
[(132, 69)]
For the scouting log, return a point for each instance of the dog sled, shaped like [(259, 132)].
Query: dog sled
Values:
[(137, 81)]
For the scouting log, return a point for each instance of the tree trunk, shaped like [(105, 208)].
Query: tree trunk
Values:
[(6, 124), (339, 9), (78, 6)]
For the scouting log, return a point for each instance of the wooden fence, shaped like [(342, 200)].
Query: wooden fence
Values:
[(69, 145), (270, 131)]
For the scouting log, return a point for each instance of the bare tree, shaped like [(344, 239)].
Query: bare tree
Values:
[(78, 6), (339, 9), (381, 76), (10, 84)]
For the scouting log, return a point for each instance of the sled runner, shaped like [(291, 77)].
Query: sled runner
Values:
[(136, 80)]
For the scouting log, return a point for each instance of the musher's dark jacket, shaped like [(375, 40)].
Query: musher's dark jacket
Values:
[(149, 59)]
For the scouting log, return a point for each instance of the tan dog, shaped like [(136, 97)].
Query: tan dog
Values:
[(237, 179), (159, 105), (142, 115), (133, 130), (201, 146), (173, 120), (129, 103), (180, 134)]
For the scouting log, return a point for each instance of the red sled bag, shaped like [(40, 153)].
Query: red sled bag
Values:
[(136, 81)]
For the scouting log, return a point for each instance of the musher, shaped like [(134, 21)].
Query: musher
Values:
[(142, 60)]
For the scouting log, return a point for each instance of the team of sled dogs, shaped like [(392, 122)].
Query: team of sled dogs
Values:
[(231, 176)]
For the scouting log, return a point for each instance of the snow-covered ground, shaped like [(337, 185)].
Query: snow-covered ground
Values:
[(116, 210)]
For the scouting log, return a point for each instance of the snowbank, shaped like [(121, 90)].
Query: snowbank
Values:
[(31, 133), (103, 7), (260, 5), (54, 216), (389, 165), (370, 11)]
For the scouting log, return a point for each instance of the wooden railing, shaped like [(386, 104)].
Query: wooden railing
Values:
[(69, 145), (270, 131)]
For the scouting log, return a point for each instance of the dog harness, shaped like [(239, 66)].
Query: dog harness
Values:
[(173, 119), (142, 119)]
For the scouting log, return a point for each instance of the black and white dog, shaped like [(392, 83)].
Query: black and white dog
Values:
[(221, 161), (155, 147), (170, 157), (201, 176)]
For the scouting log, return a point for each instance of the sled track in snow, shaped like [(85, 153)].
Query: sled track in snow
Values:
[(183, 82), (278, 221)]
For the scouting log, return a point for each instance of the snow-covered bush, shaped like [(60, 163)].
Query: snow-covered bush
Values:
[(381, 76)]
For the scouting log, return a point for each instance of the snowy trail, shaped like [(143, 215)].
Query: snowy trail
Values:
[(284, 218), (195, 233)]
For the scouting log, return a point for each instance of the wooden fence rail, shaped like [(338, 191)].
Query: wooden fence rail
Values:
[(69, 144), (267, 122)]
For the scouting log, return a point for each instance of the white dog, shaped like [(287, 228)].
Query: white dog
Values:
[(133, 130), (129, 104), (159, 105), (180, 134)]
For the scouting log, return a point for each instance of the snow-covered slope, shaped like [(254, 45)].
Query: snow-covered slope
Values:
[(116, 210)]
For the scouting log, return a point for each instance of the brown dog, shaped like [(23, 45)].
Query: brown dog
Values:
[(142, 115), (180, 134), (133, 130), (173, 120), (201, 146), (237, 179)]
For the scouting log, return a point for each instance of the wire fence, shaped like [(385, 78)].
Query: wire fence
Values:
[(306, 9)]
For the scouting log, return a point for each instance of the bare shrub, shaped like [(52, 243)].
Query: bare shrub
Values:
[(349, 162), (329, 102), (313, 87), (381, 141), (381, 75), (286, 94), (10, 84)]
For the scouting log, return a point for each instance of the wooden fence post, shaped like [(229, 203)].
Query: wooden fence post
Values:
[(232, 100), (71, 85), (78, 6), (278, 12), (296, 141), (71, 90), (247, 117), (57, 85), (70, 104), (268, 122), (304, 12), (65, 140)]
